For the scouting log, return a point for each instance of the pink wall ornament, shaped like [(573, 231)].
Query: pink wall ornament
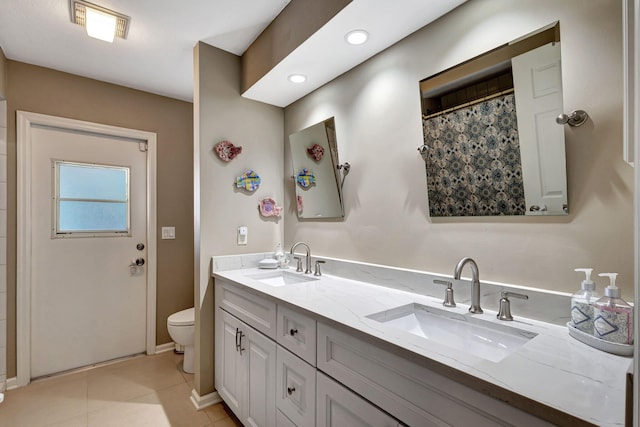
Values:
[(300, 204), (316, 151), (226, 150), (268, 207)]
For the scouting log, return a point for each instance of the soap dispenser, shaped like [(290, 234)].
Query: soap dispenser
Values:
[(582, 303), (280, 257), (613, 317)]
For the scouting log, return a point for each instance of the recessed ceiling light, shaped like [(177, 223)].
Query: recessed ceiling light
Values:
[(297, 78), (356, 37)]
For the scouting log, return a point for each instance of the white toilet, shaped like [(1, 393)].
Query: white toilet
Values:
[(181, 326)]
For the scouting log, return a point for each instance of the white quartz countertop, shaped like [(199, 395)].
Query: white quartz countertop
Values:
[(553, 368)]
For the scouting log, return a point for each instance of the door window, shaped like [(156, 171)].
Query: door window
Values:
[(90, 200)]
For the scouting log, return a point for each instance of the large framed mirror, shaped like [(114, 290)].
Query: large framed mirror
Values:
[(314, 155), (492, 146)]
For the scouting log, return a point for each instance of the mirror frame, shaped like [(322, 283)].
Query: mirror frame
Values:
[(480, 79), (299, 143)]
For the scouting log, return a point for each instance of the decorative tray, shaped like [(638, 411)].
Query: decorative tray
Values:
[(590, 340)]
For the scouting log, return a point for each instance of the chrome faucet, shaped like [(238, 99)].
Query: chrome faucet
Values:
[(475, 283), (293, 248)]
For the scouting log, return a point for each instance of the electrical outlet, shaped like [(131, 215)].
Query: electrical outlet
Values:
[(168, 233), (243, 235)]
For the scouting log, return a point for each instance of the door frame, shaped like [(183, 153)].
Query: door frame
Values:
[(25, 121)]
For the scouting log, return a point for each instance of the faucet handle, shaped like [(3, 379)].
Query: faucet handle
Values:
[(505, 305), (299, 263), (318, 272), (448, 296)]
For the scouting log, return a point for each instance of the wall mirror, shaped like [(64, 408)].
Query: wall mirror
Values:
[(491, 143), (314, 154)]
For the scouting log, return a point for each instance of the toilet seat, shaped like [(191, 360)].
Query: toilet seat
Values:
[(182, 318)]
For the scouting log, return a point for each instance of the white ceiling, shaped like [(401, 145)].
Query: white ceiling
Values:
[(157, 55)]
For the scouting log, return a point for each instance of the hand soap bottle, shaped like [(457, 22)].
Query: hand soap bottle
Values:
[(282, 260), (613, 317), (582, 303)]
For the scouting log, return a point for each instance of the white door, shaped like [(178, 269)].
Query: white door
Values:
[(245, 373), (259, 356), (229, 371), (88, 215), (537, 79)]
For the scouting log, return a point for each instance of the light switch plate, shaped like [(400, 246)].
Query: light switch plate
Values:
[(243, 235), (168, 233)]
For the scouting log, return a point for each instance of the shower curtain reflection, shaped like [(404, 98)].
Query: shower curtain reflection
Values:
[(473, 160)]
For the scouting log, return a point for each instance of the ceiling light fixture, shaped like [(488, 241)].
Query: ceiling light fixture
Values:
[(101, 23), (297, 78), (356, 37)]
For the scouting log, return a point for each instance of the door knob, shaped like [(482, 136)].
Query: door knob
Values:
[(138, 262)]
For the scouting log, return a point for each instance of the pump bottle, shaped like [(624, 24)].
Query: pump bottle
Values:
[(582, 303), (280, 256), (613, 317)]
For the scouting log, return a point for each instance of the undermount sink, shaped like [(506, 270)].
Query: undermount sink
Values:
[(466, 333), (280, 278)]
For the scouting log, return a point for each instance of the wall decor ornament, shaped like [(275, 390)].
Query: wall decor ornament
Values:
[(226, 150), (305, 178), (269, 207), (316, 151), (249, 180)]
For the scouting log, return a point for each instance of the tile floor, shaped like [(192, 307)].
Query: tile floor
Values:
[(142, 391)]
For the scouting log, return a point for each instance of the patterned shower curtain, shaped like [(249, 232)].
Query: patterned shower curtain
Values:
[(473, 160)]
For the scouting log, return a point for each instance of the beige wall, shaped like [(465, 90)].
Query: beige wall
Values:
[(42, 90), (220, 113), (377, 112), (3, 74)]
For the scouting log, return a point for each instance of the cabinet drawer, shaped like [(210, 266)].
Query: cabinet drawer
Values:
[(297, 332), (338, 407), (412, 393), (283, 421), (295, 388), (253, 309)]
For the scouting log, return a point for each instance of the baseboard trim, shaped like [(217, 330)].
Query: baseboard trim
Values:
[(12, 383), (201, 402), (165, 347)]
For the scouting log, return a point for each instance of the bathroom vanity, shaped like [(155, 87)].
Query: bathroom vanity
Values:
[(297, 350)]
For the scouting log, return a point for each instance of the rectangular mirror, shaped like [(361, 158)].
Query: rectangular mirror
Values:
[(491, 143), (314, 154)]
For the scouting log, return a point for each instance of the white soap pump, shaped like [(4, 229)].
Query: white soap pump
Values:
[(582, 303), (281, 258), (613, 317)]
